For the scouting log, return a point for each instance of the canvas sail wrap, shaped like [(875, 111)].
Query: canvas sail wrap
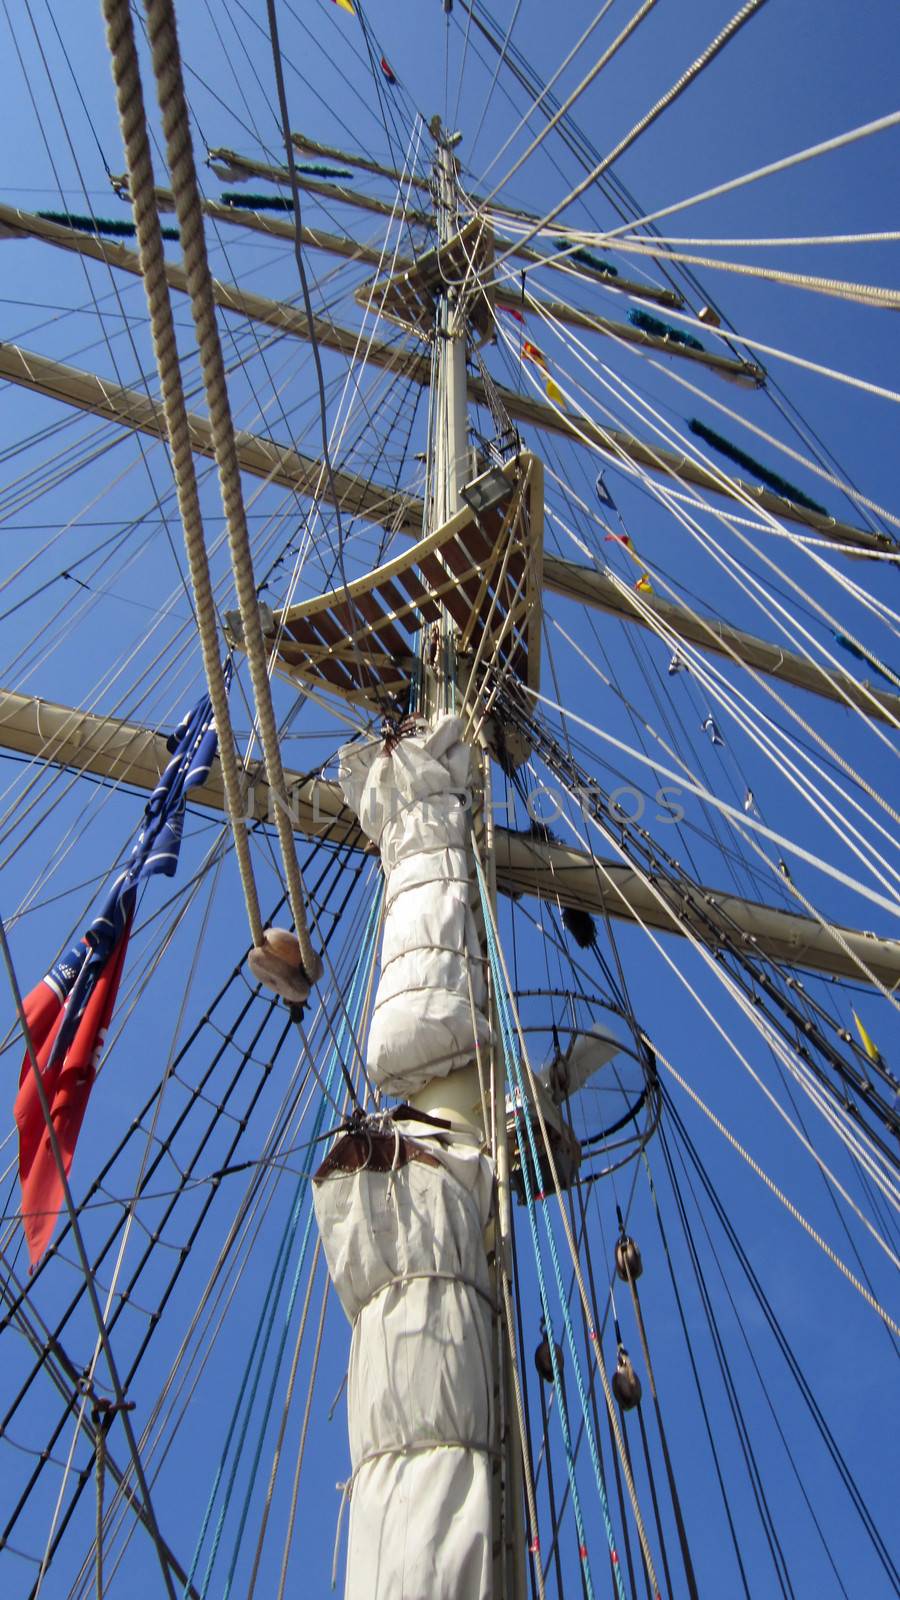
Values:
[(402, 1215), (414, 802)]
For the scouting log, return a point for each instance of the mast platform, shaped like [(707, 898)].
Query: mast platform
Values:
[(484, 568)]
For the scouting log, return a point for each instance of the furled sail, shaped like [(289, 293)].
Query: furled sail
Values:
[(402, 1209), (413, 799)]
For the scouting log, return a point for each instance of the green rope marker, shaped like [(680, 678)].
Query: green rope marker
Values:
[(663, 330), (255, 202), (773, 480), (586, 258), (112, 225)]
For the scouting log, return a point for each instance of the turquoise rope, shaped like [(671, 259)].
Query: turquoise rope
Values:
[(276, 1282), (513, 1068)]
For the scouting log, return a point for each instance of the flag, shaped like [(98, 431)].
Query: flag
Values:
[(192, 747), (69, 1011), (708, 726), (643, 583), (386, 69), (603, 494), (67, 1055), (784, 869), (510, 311), (553, 392), (676, 665), (750, 805), (868, 1043), (530, 352), (618, 538), (345, 6)]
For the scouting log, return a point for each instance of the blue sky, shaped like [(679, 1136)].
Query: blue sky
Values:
[(796, 75)]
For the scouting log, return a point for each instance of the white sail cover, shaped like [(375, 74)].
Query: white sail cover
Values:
[(414, 801), (402, 1216), (588, 1051)]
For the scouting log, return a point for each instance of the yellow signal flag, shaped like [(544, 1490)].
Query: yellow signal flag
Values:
[(553, 392), (868, 1043), (644, 583), (345, 6)]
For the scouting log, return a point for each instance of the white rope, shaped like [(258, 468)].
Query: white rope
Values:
[(674, 438), (672, 94), (570, 99), (839, 142), (873, 294), (794, 1066)]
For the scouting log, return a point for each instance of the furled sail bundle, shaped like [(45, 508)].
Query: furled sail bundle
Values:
[(413, 799), (402, 1209)]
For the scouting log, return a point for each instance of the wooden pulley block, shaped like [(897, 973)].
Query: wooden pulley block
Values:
[(277, 964), (628, 1259), (625, 1383), (543, 1360)]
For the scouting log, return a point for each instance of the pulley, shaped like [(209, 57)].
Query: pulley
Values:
[(625, 1383), (543, 1359), (629, 1265)]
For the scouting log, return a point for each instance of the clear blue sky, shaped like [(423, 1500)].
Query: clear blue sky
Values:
[(799, 73)]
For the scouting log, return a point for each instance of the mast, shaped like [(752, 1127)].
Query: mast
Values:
[(459, 1096)]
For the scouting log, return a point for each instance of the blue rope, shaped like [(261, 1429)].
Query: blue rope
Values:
[(513, 1069), (270, 1303)]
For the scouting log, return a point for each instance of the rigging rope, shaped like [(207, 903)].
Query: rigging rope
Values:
[(511, 1026), (176, 127), (672, 94)]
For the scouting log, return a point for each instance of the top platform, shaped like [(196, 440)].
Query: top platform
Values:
[(483, 569)]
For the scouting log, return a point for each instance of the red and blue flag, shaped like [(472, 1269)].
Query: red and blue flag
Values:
[(69, 1012)]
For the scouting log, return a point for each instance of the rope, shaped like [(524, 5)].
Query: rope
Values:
[(826, 147), (298, 1464), (100, 1473), (269, 1309), (130, 99), (514, 1069), (689, 1575), (789, 1206), (176, 127), (561, 111), (672, 94), (538, 1567), (87, 1272), (865, 293)]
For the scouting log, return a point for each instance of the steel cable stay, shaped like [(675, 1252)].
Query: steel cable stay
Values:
[(690, 1152)]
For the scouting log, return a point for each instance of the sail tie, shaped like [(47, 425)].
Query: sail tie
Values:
[(403, 1278)]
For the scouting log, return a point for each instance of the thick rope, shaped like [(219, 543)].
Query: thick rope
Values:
[(179, 151), (130, 99)]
